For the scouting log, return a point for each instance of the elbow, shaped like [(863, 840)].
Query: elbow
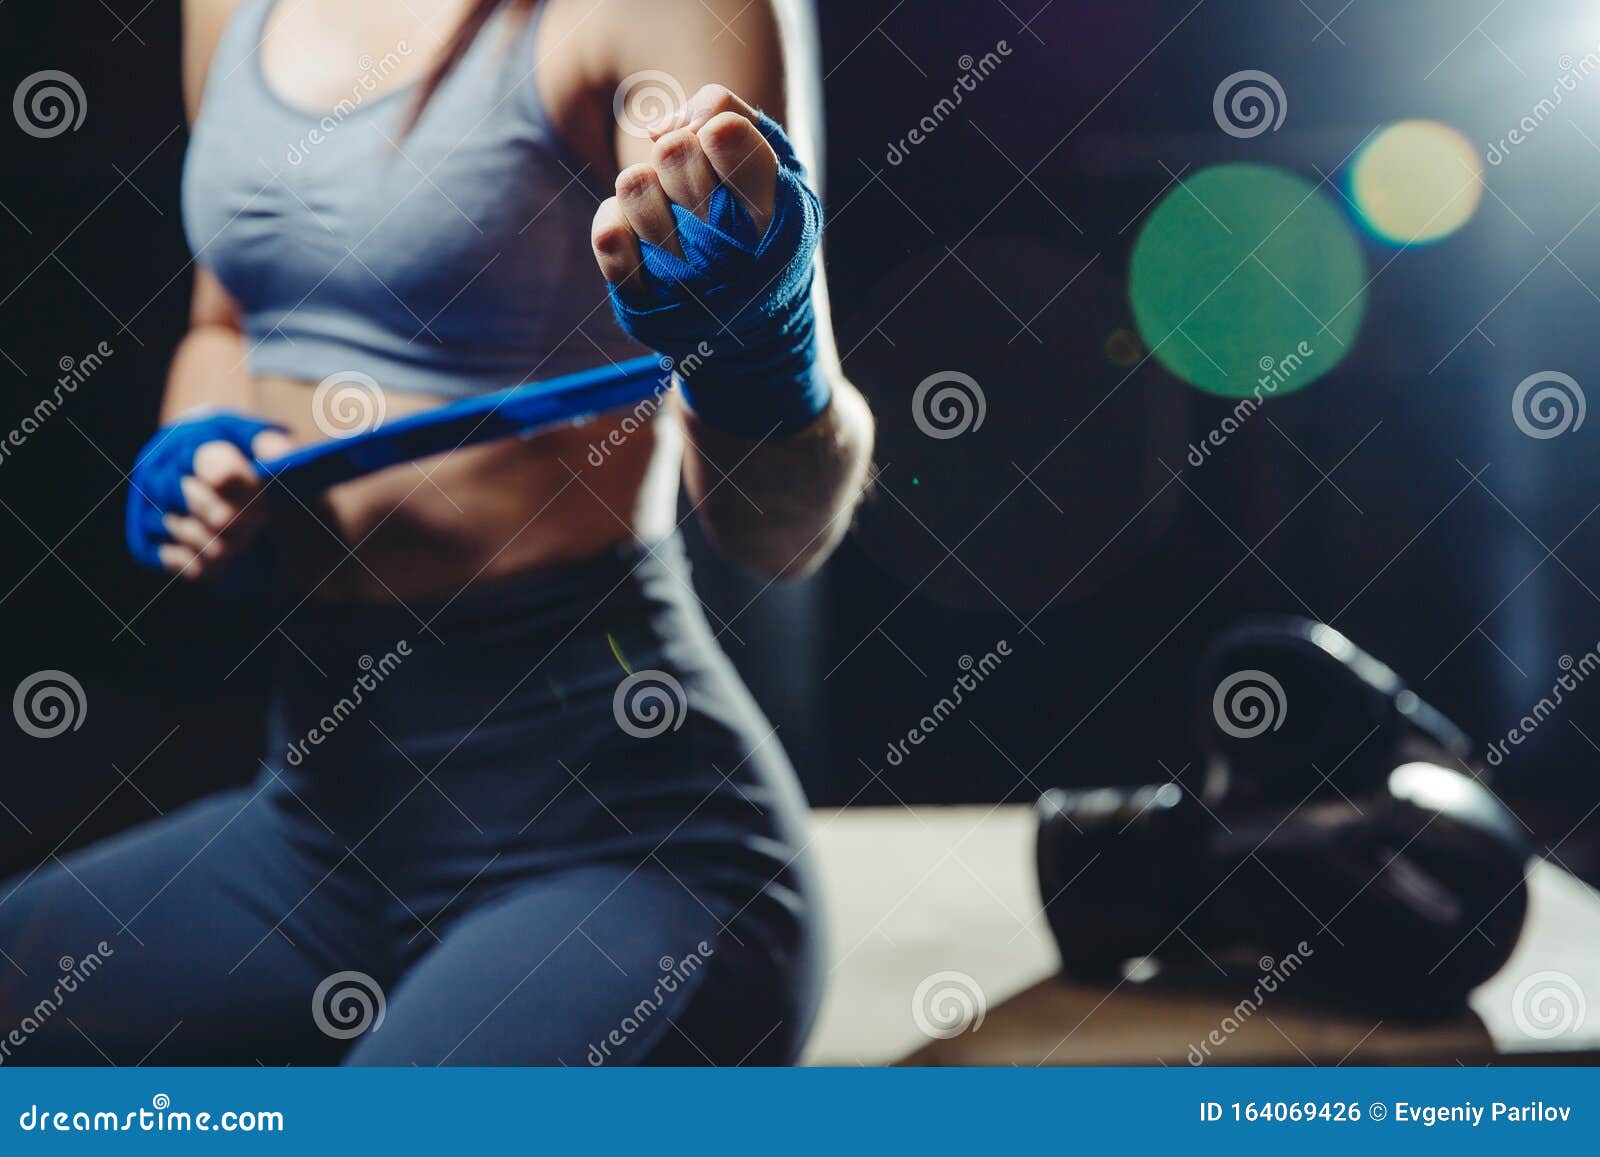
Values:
[(775, 556), (779, 542)]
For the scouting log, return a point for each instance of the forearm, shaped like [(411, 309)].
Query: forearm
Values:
[(207, 369), (780, 505)]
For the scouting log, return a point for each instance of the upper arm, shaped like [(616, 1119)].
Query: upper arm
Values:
[(210, 303), (685, 45), (203, 22)]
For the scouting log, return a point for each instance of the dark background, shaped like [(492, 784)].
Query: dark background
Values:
[(935, 263)]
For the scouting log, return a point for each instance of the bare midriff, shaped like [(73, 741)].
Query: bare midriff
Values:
[(428, 529)]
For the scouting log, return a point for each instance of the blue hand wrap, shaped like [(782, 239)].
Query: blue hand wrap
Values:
[(734, 312), (157, 490)]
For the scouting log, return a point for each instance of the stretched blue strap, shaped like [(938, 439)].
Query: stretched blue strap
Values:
[(168, 457), (520, 410)]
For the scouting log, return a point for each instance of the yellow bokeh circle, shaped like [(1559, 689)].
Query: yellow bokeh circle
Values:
[(1416, 181)]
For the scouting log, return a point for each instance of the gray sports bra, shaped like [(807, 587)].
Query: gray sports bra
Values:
[(451, 261)]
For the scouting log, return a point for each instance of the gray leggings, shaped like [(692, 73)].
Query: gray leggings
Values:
[(475, 839)]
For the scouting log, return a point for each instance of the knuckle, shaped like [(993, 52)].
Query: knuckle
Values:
[(715, 98), (635, 181), (196, 494), (220, 514), (181, 561), (611, 238), (676, 148), (726, 132), (605, 217)]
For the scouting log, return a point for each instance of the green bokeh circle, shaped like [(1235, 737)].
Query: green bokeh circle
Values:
[(1235, 268)]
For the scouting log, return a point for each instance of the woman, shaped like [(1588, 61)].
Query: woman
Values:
[(515, 807)]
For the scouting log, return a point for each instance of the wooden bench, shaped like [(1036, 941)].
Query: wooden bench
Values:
[(918, 891)]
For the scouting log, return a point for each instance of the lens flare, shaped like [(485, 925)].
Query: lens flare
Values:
[(1415, 182), (1246, 280), (1123, 348)]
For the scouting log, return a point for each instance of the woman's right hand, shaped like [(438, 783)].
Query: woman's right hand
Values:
[(225, 517), (195, 508)]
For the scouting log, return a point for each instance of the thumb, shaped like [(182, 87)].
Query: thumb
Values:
[(270, 444)]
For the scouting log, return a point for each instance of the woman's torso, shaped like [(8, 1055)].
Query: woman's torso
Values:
[(442, 262)]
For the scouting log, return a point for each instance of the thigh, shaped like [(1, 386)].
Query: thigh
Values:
[(197, 938), (589, 965)]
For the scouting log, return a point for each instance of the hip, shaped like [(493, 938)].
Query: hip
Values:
[(578, 712)]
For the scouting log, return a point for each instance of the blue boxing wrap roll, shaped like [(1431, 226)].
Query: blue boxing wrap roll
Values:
[(157, 490), (521, 410), (734, 312)]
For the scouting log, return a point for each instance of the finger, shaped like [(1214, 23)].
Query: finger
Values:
[(195, 535), (223, 467), (743, 161), (616, 245), (271, 444), (646, 207), (207, 505), (181, 561), (709, 101), (685, 174)]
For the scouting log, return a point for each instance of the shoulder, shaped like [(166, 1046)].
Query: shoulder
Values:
[(761, 49), (203, 25), (737, 43)]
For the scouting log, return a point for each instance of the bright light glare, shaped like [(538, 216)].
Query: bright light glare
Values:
[(1416, 181)]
